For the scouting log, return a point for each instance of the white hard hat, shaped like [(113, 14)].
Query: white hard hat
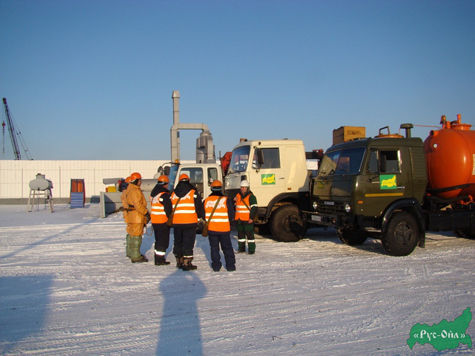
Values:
[(245, 183)]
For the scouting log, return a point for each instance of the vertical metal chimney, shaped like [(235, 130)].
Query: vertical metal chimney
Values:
[(174, 133), (204, 144)]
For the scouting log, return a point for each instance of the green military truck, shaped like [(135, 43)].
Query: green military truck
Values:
[(380, 187)]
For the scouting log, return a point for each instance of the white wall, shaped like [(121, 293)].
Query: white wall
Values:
[(16, 175)]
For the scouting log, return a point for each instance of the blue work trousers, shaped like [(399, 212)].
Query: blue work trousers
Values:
[(224, 239)]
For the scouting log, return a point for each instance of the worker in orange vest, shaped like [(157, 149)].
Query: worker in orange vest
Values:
[(123, 198), (246, 210), (137, 217), (160, 210), (187, 209), (219, 212)]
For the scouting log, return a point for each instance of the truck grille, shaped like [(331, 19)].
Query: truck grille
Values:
[(331, 209)]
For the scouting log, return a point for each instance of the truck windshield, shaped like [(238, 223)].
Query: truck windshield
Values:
[(172, 176), (346, 161), (239, 159)]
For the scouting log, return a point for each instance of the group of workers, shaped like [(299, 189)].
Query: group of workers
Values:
[(183, 210)]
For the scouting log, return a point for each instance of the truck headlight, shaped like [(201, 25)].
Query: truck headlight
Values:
[(347, 207), (315, 205)]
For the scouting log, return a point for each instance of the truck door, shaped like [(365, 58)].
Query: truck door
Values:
[(383, 181), (268, 179)]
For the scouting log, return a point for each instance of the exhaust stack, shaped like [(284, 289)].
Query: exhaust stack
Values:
[(204, 144)]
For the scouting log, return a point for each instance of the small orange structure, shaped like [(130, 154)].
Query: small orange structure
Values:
[(78, 193)]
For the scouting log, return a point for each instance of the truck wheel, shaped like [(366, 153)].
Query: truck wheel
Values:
[(352, 237), (402, 235), (286, 224)]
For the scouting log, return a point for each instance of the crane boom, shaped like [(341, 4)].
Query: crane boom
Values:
[(11, 130)]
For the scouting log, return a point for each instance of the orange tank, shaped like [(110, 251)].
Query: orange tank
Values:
[(450, 156)]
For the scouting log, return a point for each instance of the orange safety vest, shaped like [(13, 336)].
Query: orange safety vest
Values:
[(157, 210), (185, 212), (242, 212), (220, 220)]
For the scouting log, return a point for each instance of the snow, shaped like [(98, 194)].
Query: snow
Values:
[(67, 288)]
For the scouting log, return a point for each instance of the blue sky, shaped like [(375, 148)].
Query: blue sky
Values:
[(93, 79)]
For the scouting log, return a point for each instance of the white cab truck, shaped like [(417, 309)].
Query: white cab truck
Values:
[(201, 175), (279, 178)]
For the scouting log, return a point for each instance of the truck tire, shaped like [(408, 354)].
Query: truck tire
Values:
[(402, 235), (352, 237), (286, 224)]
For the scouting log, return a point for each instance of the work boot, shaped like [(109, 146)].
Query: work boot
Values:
[(187, 265), (142, 258), (251, 248), (160, 260), (179, 261), (134, 243), (127, 245), (241, 247)]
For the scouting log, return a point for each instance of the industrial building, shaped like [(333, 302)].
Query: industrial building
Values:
[(15, 176)]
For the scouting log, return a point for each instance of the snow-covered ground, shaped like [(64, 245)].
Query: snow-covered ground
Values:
[(67, 288)]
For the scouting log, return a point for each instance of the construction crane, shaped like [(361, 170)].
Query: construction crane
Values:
[(13, 134)]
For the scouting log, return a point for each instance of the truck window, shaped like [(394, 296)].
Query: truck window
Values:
[(389, 161), (271, 158), (373, 162), (212, 174), (172, 176), (196, 177), (342, 162), (239, 159)]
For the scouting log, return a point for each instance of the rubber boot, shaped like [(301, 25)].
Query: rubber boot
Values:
[(135, 256), (127, 245), (160, 260), (251, 248), (241, 247), (179, 261), (187, 265)]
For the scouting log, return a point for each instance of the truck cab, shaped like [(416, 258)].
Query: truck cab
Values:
[(278, 176), (373, 187), (201, 175)]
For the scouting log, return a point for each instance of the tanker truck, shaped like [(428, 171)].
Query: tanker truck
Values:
[(395, 188)]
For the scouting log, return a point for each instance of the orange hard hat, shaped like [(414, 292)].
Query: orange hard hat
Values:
[(163, 179), (184, 176), (216, 184), (135, 176), (128, 179)]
